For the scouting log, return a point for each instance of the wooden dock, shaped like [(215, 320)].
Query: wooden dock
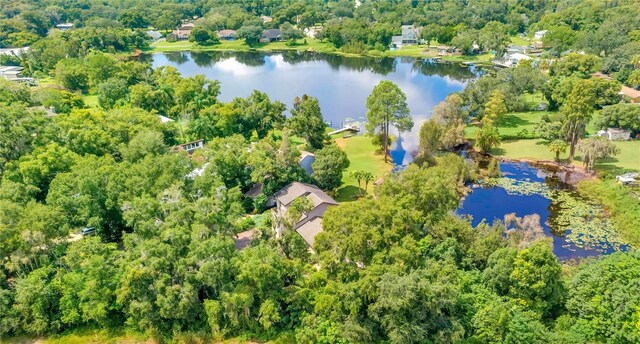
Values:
[(352, 129)]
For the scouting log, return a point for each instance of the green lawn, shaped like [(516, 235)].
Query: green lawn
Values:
[(240, 45), (363, 156), (91, 100), (514, 123), (82, 336), (517, 40), (629, 157)]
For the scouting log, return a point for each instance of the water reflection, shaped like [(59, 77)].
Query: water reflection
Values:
[(494, 203), (341, 84)]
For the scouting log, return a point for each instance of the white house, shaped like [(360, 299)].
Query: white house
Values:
[(64, 26), (540, 34), (516, 58), (189, 147), (615, 134), (11, 73), (14, 51)]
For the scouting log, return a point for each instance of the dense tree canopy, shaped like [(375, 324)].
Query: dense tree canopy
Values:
[(396, 265)]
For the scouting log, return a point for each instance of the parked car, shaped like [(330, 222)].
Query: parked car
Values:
[(88, 231)]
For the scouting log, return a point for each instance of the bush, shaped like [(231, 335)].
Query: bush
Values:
[(260, 203), (245, 223)]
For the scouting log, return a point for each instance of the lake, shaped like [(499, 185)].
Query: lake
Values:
[(341, 84)]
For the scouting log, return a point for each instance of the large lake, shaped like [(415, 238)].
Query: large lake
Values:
[(341, 84)]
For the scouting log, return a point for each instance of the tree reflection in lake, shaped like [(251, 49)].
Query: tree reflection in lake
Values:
[(341, 84)]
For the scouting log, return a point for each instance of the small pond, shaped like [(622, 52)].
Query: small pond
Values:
[(578, 227)]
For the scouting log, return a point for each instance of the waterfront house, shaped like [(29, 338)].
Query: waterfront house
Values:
[(410, 35), (271, 35), (182, 33), (227, 35), (310, 223), (511, 60), (155, 35)]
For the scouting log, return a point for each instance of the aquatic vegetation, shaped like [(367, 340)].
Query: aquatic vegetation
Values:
[(581, 221), (519, 187), (586, 222)]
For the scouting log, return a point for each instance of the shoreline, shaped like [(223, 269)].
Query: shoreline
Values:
[(480, 60), (572, 170)]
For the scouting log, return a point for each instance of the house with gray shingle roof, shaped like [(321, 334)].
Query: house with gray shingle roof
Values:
[(271, 35), (310, 223)]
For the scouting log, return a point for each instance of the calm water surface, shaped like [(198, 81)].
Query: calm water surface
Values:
[(341, 84), (493, 203)]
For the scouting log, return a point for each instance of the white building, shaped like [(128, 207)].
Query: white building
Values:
[(10, 72), (65, 26), (14, 51), (540, 34), (615, 134)]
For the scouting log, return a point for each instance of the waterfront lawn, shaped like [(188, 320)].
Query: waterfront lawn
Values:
[(534, 149), (514, 123), (240, 45), (363, 156)]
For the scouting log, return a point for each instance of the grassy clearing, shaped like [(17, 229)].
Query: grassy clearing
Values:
[(85, 336), (362, 157), (514, 123), (534, 149), (522, 41), (91, 100), (622, 202), (239, 45)]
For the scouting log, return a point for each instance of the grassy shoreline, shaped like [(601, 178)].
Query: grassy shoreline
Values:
[(313, 45), (363, 156)]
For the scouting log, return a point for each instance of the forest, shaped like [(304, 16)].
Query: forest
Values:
[(396, 265)]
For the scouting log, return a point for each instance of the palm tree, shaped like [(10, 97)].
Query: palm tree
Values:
[(367, 177), (358, 176)]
